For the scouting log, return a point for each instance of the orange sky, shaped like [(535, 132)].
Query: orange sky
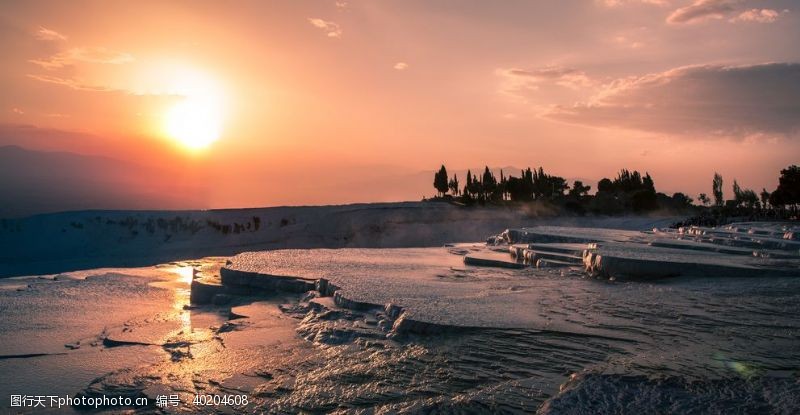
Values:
[(343, 101)]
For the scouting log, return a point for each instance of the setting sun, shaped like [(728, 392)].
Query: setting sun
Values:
[(194, 123), (195, 118)]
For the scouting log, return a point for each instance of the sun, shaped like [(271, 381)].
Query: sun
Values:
[(194, 122), (195, 119)]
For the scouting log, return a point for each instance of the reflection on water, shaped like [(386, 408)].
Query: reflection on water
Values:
[(186, 273), (182, 295), (86, 324), (141, 335)]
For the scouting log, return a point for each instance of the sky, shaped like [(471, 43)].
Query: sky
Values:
[(314, 102)]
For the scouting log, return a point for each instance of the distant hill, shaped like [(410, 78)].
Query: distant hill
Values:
[(37, 182)]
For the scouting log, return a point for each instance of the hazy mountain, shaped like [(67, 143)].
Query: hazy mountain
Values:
[(37, 182), (33, 181)]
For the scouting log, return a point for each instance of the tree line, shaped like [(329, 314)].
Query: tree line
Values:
[(629, 191), (785, 196), (530, 185)]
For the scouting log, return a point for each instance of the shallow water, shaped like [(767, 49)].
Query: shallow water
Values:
[(288, 355)]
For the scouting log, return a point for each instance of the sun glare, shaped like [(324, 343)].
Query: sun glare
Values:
[(194, 123), (196, 120)]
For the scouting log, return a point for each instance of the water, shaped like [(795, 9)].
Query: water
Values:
[(731, 337)]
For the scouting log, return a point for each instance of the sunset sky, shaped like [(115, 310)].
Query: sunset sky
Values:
[(311, 102)]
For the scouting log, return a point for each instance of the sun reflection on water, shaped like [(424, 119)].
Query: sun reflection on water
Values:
[(186, 273), (183, 294)]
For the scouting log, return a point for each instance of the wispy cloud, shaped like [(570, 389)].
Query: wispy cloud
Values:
[(44, 33), (758, 16), (628, 42), (68, 82), (701, 10), (706, 100), (331, 29), (85, 55), (61, 67), (617, 3), (557, 75), (400, 66)]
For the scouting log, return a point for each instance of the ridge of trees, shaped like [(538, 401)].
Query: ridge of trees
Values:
[(629, 191), (785, 196), (486, 187)]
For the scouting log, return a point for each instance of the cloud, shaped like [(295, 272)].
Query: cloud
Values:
[(62, 66), (758, 16), (48, 34), (331, 29), (617, 3), (17, 111), (626, 41), (701, 10), (400, 66), (566, 77), (83, 55), (708, 100), (68, 82)]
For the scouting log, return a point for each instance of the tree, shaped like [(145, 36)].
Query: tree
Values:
[(682, 200), (789, 186), (744, 197), (476, 188), (440, 181), (703, 198), (578, 190), (737, 193), (453, 185), (749, 198), (501, 187), (489, 187), (520, 188), (644, 200), (716, 190), (468, 186), (647, 183), (777, 198), (605, 185), (547, 186), (527, 184), (627, 182), (764, 197), (558, 186)]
